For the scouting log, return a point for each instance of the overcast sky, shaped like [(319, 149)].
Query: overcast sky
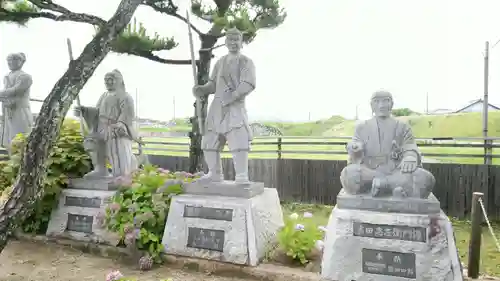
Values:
[(328, 57)]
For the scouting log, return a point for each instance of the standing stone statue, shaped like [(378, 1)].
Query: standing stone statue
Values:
[(384, 157), (15, 97), (231, 80), (111, 130)]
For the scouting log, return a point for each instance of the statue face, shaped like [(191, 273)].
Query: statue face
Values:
[(382, 106), (110, 82), (14, 62), (233, 43)]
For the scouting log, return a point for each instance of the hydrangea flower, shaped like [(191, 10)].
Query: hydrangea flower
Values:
[(114, 206), (114, 275), (322, 228), (308, 215), (299, 227), (294, 216)]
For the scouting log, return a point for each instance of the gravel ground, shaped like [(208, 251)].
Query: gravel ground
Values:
[(36, 262)]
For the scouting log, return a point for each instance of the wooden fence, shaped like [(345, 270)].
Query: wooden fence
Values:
[(456, 150), (318, 181)]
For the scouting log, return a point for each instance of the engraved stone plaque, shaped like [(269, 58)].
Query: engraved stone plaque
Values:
[(389, 263), (208, 239), (208, 213), (397, 232), (87, 202), (80, 223)]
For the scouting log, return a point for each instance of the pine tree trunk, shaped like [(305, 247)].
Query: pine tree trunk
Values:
[(195, 152), (26, 187)]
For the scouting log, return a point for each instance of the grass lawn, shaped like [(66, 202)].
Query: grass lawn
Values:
[(490, 257), (313, 149)]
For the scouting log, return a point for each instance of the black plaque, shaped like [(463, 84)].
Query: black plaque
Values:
[(80, 223), (208, 239), (389, 263), (208, 213), (396, 232), (87, 202)]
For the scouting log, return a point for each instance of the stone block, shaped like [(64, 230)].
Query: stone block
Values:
[(388, 204), (227, 229), (365, 245), (93, 183), (225, 188), (76, 216)]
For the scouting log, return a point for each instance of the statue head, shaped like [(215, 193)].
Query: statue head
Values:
[(114, 81), (16, 61), (234, 40), (382, 103)]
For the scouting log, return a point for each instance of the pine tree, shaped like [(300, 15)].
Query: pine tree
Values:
[(118, 35)]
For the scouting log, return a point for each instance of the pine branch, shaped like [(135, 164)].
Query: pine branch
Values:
[(171, 10), (150, 56), (21, 12)]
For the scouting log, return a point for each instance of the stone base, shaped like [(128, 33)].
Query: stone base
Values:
[(227, 229), (374, 246), (388, 204), (76, 216), (91, 183), (225, 188)]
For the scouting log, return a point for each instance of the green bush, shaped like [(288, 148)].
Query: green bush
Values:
[(67, 159), (138, 212), (300, 236)]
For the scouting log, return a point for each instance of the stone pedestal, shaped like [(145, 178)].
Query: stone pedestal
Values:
[(76, 215), (394, 244), (233, 229)]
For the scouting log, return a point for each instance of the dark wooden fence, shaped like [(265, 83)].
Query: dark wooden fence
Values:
[(317, 181)]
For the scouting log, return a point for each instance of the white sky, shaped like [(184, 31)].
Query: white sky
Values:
[(328, 57)]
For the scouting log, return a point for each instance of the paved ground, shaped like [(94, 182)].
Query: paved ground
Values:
[(36, 262)]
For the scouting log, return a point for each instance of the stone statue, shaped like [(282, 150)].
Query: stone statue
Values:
[(15, 97), (384, 157), (111, 129), (231, 80)]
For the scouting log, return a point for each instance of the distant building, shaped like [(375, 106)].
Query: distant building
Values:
[(440, 111), (476, 106)]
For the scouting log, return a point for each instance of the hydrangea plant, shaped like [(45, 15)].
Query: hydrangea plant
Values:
[(300, 236), (138, 211)]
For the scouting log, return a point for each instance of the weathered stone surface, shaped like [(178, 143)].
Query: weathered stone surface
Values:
[(352, 249), (104, 183), (225, 188), (81, 203), (252, 227), (367, 202)]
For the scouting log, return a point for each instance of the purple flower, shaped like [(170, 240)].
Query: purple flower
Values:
[(115, 206), (299, 227), (130, 238), (114, 275), (138, 221)]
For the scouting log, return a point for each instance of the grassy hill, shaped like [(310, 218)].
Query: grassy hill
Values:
[(426, 126), (315, 128)]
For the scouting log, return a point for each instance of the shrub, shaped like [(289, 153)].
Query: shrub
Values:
[(138, 212), (300, 236), (67, 159)]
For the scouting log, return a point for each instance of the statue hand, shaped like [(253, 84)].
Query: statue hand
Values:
[(409, 164), (354, 147), (198, 91)]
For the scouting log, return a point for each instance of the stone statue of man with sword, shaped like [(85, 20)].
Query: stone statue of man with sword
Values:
[(231, 80)]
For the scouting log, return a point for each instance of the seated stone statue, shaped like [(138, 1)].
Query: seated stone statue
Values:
[(384, 158)]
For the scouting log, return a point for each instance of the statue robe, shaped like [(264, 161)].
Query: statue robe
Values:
[(229, 75), (17, 117), (112, 122), (385, 143)]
